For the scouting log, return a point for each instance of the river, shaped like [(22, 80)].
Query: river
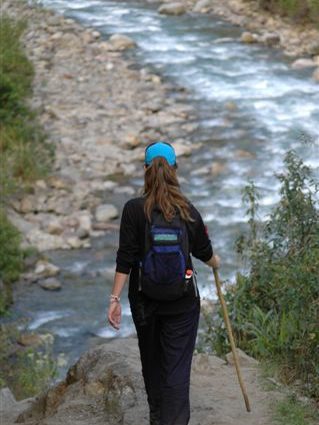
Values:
[(251, 108)]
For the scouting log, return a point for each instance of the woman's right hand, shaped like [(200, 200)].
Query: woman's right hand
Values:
[(115, 314), (214, 262)]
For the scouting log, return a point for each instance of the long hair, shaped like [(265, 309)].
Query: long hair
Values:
[(161, 189)]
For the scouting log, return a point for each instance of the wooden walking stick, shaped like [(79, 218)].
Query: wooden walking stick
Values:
[(231, 337)]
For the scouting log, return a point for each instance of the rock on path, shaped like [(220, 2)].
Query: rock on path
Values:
[(105, 387)]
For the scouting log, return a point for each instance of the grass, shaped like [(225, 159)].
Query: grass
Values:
[(290, 411)]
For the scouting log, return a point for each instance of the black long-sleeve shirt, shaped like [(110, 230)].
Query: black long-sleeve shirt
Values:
[(131, 249)]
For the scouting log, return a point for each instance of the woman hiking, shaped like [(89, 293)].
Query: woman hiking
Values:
[(158, 232)]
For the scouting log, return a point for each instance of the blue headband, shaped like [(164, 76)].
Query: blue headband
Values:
[(162, 149)]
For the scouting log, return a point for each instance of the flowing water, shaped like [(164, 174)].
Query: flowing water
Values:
[(252, 107)]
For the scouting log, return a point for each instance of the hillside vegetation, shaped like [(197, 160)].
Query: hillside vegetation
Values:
[(24, 152), (300, 10), (275, 307), (25, 156)]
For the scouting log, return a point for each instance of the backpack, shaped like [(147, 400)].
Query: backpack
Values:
[(166, 258)]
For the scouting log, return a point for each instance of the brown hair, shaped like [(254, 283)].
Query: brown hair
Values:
[(162, 189)]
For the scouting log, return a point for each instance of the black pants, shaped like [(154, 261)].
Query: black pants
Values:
[(166, 344)]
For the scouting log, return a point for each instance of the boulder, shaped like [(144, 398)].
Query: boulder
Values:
[(315, 75), (85, 221), (54, 227), (313, 48), (44, 241), (29, 340), (27, 204), (7, 398), (127, 169), (19, 221), (109, 185), (102, 227), (132, 141), (121, 42), (270, 39), (56, 36), (106, 212), (41, 184), (75, 242), (244, 359), (202, 6), (242, 154), (175, 9), (182, 149), (58, 182), (10, 409), (82, 233), (231, 106), (61, 205), (202, 171), (217, 168), (128, 190), (303, 63), (248, 38), (45, 269), (96, 34), (87, 37), (104, 387), (51, 284), (107, 46)]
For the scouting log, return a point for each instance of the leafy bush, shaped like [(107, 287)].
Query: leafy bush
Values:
[(275, 307)]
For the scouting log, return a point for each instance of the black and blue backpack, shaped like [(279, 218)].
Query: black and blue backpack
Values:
[(166, 258)]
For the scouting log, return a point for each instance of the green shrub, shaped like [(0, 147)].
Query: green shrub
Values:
[(11, 256), (11, 259), (25, 370), (275, 307), (25, 154)]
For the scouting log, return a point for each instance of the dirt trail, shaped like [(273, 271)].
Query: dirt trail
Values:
[(217, 398)]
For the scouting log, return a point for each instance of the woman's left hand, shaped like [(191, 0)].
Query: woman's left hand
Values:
[(115, 314)]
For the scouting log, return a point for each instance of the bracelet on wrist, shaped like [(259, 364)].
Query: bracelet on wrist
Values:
[(114, 299)]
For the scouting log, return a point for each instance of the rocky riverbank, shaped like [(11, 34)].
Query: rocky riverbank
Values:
[(99, 112), (105, 387), (300, 41)]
